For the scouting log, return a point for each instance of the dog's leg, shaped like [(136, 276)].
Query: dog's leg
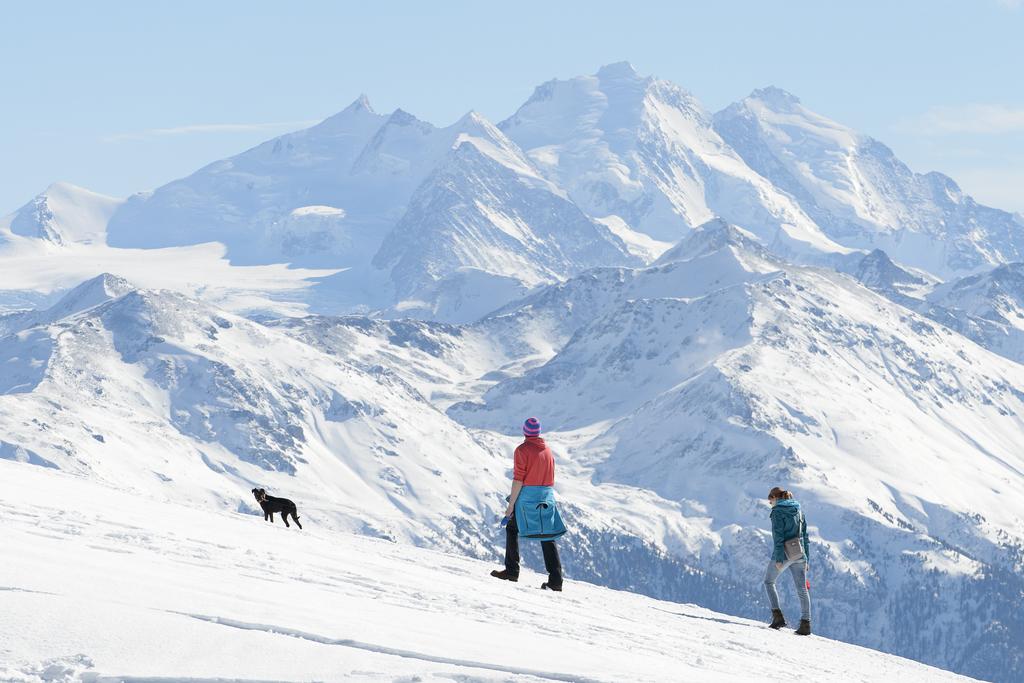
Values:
[(296, 518), (284, 516), (271, 517)]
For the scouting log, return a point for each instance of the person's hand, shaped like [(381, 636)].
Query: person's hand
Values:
[(778, 565)]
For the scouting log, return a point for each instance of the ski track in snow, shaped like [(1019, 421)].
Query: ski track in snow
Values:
[(381, 649)]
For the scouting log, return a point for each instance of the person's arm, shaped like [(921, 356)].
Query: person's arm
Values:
[(517, 486), (778, 543), (807, 542), (518, 477)]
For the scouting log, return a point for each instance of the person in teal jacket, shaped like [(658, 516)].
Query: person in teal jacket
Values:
[(788, 523)]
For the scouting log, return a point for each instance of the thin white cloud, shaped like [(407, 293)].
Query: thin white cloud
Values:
[(978, 119), (201, 128), (1011, 4)]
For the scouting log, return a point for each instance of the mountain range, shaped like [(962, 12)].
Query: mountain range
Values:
[(698, 306)]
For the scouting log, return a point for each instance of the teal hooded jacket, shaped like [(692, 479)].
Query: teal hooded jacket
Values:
[(787, 523)]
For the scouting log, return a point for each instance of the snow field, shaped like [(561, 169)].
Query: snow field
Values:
[(101, 585)]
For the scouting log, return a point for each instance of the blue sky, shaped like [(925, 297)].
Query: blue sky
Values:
[(121, 97)]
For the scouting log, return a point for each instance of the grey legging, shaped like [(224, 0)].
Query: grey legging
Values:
[(798, 568)]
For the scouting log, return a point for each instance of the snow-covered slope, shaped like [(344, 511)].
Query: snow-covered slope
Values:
[(170, 394), (443, 362), (879, 272), (154, 392), (169, 591), (713, 256), (997, 295), (615, 264), (450, 223), (36, 272), (242, 201), (90, 293), (988, 308), (900, 436), (246, 201), (684, 409), (644, 150), (63, 214), (443, 223), (486, 210), (861, 195)]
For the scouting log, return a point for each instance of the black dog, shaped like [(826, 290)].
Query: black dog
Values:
[(271, 505)]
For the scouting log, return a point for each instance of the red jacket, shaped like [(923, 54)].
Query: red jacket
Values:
[(534, 463)]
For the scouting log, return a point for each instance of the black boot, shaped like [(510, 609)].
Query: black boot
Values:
[(805, 628), (553, 565), (504, 575), (778, 621)]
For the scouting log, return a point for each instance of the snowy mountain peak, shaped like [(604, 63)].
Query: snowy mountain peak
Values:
[(709, 237), (103, 287), (787, 116), (877, 270), (996, 295), (645, 151), (64, 214), (400, 145), (860, 194), (612, 96), (484, 137), (618, 71), (91, 293), (473, 120), (62, 187), (350, 120), (484, 227), (361, 103), (689, 381), (607, 75), (774, 97), (400, 117), (475, 125), (945, 186)]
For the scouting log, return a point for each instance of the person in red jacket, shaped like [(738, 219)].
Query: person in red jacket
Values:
[(534, 465)]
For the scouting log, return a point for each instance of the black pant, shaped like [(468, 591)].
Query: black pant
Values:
[(552, 564)]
